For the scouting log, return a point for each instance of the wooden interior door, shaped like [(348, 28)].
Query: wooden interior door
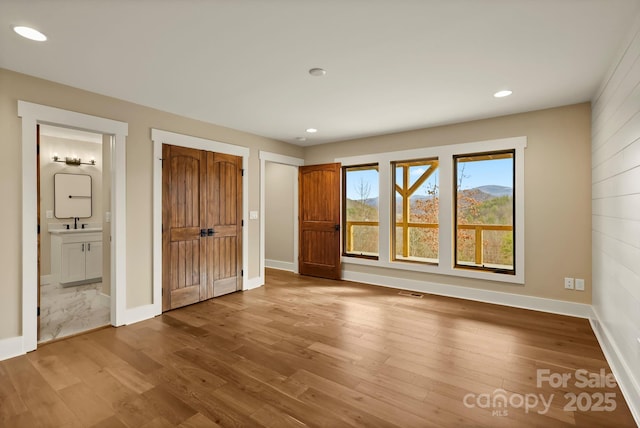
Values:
[(184, 275), (202, 225), (224, 214), (319, 211)]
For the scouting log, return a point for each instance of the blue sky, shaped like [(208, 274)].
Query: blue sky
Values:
[(481, 173)]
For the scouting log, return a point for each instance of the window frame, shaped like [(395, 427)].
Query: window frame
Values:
[(455, 213), (445, 155), (394, 222), (343, 197)]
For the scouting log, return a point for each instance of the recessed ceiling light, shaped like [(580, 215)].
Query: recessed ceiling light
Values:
[(312, 130), (502, 94), (317, 72), (30, 33)]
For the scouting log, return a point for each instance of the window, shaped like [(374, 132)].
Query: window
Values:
[(455, 209), (484, 213), (360, 210), (415, 216)]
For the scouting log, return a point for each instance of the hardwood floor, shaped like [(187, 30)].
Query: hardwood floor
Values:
[(310, 352)]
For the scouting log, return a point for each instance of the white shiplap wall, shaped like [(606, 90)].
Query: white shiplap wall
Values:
[(616, 217)]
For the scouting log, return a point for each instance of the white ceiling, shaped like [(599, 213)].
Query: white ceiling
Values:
[(391, 65)]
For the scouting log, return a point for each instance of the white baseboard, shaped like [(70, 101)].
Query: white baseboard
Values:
[(146, 312), (141, 313), (621, 370), (496, 297), (11, 347), (277, 264), (252, 283)]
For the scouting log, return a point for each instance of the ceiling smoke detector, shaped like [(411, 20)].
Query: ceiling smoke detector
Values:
[(317, 72)]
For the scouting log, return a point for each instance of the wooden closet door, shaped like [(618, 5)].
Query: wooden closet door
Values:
[(184, 277), (224, 215)]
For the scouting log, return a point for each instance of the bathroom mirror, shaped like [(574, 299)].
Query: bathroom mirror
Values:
[(72, 195)]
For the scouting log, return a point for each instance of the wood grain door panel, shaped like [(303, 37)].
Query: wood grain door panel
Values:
[(319, 210), (224, 213), (202, 225), (184, 174)]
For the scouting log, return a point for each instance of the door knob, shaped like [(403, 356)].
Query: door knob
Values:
[(203, 232), (210, 232), (337, 227)]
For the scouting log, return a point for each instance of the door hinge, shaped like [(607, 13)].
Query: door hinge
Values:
[(38, 229), (38, 311), (242, 172), (241, 223), (241, 272)]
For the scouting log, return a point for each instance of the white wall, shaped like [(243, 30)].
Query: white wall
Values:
[(616, 216), (279, 215)]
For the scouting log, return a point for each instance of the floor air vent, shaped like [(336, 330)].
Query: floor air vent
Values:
[(410, 294)]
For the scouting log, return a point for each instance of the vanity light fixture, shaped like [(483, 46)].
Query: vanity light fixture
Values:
[(73, 160), (30, 33)]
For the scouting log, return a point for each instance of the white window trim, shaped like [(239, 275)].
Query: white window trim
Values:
[(445, 155)]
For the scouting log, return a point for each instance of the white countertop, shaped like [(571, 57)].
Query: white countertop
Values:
[(74, 231)]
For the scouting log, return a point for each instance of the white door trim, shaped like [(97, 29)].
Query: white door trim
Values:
[(32, 115), (285, 160), (159, 138)]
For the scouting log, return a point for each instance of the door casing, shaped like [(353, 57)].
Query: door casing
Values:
[(161, 137), (285, 160), (32, 115)]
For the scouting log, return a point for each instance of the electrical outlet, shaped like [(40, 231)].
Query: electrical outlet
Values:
[(107, 216), (568, 283), (579, 284)]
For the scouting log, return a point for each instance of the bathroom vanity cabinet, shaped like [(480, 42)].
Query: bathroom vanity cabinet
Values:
[(76, 255)]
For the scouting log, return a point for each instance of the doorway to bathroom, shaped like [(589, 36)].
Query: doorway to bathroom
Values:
[(74, 246)]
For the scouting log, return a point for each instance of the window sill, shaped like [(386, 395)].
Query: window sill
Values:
[(516, 279)]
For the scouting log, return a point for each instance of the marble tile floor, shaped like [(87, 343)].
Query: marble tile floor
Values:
[(70, 310)]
